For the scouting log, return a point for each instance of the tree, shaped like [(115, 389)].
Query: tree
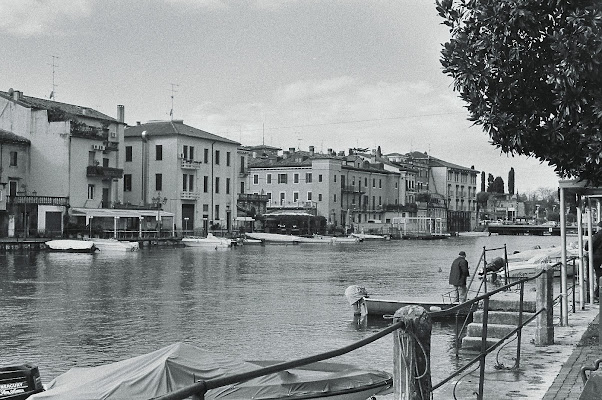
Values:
[(498, 185), (511, 181), (529, 71), (490, 180), (482, 181)]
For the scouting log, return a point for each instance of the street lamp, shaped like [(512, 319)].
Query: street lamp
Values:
[(186, 224)]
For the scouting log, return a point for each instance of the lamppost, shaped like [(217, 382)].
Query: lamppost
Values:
[(186, 224)]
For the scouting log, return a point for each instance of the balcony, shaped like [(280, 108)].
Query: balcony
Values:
[(39, 200), (111, 146), (96, 171), (306, 205), (253, 197), (243, 172), (189, 164), (351, 189), (189, 195)]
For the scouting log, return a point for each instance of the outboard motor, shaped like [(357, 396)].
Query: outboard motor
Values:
[(19, 382), (354, 294)]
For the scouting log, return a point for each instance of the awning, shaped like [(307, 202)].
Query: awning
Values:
[(119, 213)]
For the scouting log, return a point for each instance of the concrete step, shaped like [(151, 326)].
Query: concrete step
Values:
[(474, 343), (511, 305), (500, 317), (494, 331)]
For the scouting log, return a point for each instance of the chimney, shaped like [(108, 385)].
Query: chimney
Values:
[(137, 123), (350, 152), (17, 95), (285, 154), (311, 150), (291, 150), (120, 113)]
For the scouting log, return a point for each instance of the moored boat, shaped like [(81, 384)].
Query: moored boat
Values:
[(107, 245), (366, 236), (180, 365), (71, 246), (210, 241), (274, 237)]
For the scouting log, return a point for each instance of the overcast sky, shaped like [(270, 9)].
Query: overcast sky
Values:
[(288, 73)]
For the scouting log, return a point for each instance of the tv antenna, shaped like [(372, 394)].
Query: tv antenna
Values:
[(173, 90), (53, 91)]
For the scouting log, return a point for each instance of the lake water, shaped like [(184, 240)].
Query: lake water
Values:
[(253, 302)]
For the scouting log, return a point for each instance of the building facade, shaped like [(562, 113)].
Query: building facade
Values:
[(186, 171)]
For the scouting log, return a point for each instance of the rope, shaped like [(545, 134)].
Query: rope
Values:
[(405, 346)]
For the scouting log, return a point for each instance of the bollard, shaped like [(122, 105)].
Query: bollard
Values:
[(411, 354), (544, 335)]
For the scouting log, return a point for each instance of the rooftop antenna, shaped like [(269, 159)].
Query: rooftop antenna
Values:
[(263, 134), (54, 65), (173, 90)]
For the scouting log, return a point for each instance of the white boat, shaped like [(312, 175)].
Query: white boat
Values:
[(329, 239), (292, 239), (209, 241), (107, 245), (180, 365), (71, 246), (528, 263), (366, 236)]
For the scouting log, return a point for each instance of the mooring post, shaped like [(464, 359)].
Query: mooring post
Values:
[(411, 354), (544, 335)]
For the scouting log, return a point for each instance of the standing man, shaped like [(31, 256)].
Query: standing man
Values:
[(597, 251), (458, 275)]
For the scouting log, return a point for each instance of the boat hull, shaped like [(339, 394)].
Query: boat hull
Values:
[(372, 307), (210, 241), (71, 246)]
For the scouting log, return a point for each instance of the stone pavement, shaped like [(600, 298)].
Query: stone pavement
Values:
[(546, 373)]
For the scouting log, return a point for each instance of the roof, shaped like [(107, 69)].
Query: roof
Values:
[(9, 137), (44, 104), (435, 162), (172, 128)]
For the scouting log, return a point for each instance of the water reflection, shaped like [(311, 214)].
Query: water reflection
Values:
[(274, 302)]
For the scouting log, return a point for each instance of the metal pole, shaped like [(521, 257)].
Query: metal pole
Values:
[(590, 253), (581, 258), (483, 347), (563, 283), (520, 325)]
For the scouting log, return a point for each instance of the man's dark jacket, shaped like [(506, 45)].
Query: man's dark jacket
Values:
[(458, 272)]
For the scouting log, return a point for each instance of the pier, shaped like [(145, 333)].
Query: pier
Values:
[(526, 229)]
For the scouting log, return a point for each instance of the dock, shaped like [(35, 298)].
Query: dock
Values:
[(526, 229)]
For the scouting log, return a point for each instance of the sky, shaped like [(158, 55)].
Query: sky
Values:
[(333, 74)]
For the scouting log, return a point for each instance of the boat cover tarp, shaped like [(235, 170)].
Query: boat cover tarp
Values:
[(179, 365), (66, 244)]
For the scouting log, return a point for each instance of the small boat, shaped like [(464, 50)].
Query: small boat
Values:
[(366, 236), (209, 241), (179, 365), (321, 239), (71, 246), (292, 239), (107, 245), (274, 237), (249, 241)]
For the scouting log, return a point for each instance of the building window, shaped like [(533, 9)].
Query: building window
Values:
[(242, 187), (91, 158), (242, 164), (308, 196), (90, 192), (282, 198), (216, 157), (105, 162), (335, 178), (319, 196), (217, 211), (158, 182), (295, 197), (127, 182), (308, 177), (128, 153), (191, 183), (185, 152), (380, 183), (269, 194), (335, 198), (255, 179), (227, 158), (366, 182), (206, 156), (268, 179), (159, 152), (185, 182), (320, 178), (206, 183), (217, 184), (295, 178), (380, 201), (282, 178), (227, 185), (373, 182), (191, 153)]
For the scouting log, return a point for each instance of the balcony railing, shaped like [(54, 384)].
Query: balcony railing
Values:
[(184, 195), (351, 189), (190, 164), (42, 200), (293, 204), (104, 172), (111, 146), (253, 197)]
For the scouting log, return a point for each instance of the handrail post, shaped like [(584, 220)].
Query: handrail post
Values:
[(483, 347), (412, 352), (544, 335), (520, 325)]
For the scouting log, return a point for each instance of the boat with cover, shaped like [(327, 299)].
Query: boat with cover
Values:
[(292, 239), (107, 245), (209, 241), (71, 246), (179, 365)]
